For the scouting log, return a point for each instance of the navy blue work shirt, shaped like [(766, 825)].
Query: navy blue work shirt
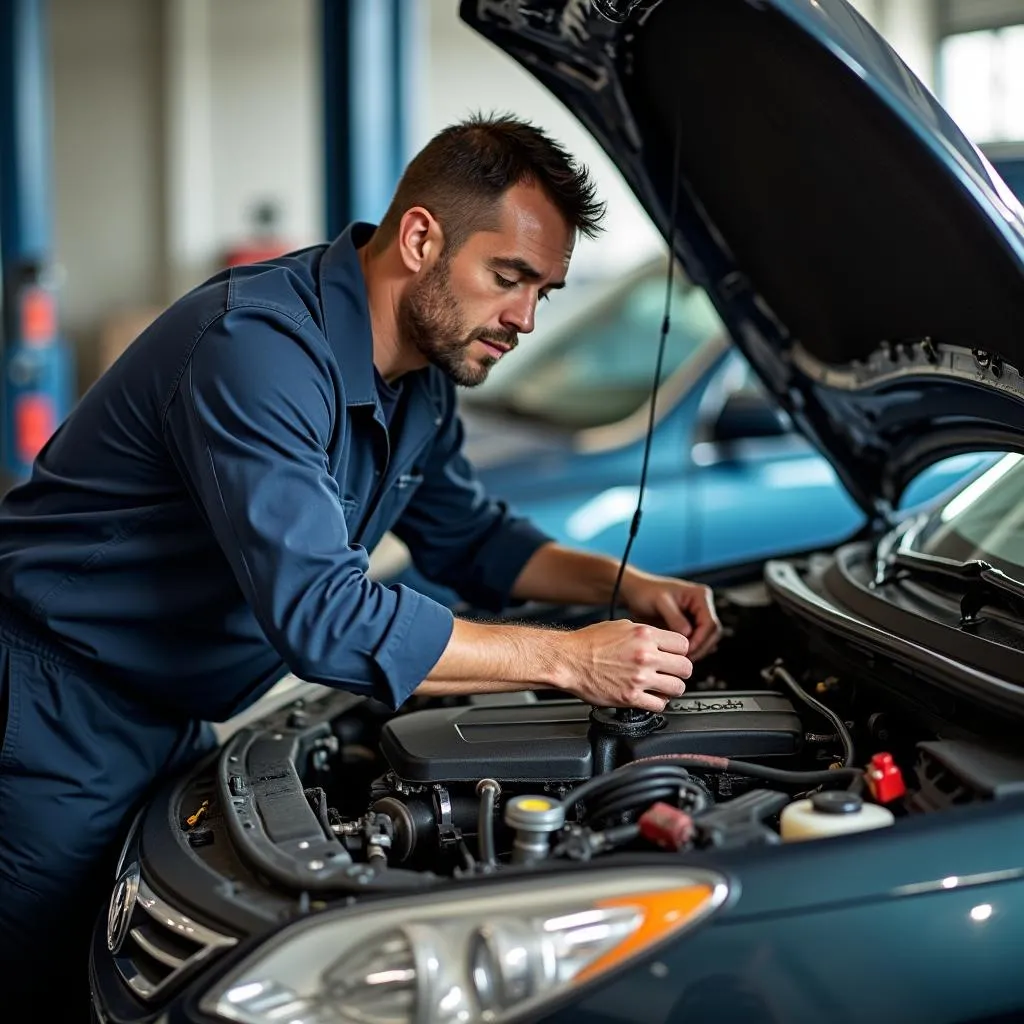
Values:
[(202, 519)]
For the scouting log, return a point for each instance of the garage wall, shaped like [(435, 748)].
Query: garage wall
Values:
[(108, 176), (172, 118), (968, 15), (242, 123), (265, 89)]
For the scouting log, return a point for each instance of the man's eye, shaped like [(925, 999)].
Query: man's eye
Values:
[(504, 282)]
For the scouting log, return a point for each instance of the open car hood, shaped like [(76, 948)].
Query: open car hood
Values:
[(865, 257)]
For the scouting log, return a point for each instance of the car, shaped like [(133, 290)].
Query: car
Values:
[(828, 825)]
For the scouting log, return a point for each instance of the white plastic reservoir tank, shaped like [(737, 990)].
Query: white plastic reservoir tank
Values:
[(831, 813)]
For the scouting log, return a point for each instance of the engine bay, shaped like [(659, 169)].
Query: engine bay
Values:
[(779, 738)]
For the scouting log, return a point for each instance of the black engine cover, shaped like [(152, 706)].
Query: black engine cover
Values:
[(550, 740)]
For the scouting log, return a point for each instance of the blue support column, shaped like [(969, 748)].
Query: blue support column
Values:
[(335, 36), (367, 54), (36, 385)]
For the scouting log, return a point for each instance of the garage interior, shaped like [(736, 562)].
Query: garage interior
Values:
[(821, 431)]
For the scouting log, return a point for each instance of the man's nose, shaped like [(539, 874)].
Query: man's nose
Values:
[(519, 315)]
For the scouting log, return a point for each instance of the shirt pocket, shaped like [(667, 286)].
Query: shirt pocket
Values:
[(408, 482), (392, 504), (402, 493), (350, 510)]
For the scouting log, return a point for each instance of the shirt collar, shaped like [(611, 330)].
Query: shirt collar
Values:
[(347, 323), (347, 312)]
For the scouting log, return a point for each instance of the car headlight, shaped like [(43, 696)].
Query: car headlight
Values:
[(486, 954)]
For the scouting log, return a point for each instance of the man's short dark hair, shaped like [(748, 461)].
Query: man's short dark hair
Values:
[(461, 175)]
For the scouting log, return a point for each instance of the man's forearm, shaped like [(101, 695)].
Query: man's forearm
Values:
[(561, 575), (496, 659), (452, 688)]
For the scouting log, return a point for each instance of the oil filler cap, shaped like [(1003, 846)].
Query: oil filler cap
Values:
[(836, 801)]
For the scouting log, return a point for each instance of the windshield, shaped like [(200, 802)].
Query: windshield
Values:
[(983, 521), (598, 368)]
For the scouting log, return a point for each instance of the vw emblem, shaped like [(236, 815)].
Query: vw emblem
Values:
[(122, 904)]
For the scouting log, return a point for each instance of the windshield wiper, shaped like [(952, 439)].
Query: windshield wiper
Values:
[(978, 582)]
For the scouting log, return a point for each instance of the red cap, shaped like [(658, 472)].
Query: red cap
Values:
[(884, 778), (666, 826)]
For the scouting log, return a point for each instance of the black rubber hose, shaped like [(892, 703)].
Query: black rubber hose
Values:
[(631, 774), (778, 672), (709, 763), (488, 790), (619, 834), (656, 787), (665, 776), (643, 798)]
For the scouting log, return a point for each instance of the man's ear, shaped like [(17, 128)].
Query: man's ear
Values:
[(420, 239)]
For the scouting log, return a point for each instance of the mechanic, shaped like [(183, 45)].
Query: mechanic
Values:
[(200, 523)]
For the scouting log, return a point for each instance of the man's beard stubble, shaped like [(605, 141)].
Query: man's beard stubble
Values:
[(430, 317)]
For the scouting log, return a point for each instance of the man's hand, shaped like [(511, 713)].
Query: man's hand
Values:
[(564, 576), (625, 665), (687, 608), (609, 664)]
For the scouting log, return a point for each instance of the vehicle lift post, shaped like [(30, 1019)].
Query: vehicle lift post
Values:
[(36, 388)]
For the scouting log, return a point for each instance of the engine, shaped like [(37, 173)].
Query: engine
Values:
[(474, 785), (816, 747), (448, 766)]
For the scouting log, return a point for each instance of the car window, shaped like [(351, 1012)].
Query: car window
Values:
[(600, 367), (984, 520)]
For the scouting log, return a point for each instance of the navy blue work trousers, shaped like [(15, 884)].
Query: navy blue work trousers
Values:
[(77, 759)]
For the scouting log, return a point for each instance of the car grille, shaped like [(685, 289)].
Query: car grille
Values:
[(162, 945)]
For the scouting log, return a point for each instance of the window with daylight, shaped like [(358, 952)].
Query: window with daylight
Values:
[(981, 83)]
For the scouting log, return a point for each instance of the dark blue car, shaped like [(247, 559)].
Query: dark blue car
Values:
[(829, 825)]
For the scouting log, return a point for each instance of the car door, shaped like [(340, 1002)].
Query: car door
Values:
[(759, 488)]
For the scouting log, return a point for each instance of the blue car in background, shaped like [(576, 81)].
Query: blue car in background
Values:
[(558, 432)]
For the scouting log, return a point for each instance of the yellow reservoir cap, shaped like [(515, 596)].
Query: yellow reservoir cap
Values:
[(535, 803)]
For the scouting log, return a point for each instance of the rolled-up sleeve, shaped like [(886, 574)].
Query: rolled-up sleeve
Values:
[(457, 535), (248, 427)]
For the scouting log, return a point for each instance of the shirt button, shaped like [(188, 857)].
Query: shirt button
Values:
[(437, 422)]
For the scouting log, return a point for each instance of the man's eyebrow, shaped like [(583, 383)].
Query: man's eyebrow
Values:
[(520, 266)]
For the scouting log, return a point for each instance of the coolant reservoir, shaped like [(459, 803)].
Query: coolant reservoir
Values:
[(831, 813)]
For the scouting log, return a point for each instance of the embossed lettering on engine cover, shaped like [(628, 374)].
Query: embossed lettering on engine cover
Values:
[(706, 705)]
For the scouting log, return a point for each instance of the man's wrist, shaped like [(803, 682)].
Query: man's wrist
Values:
[(631, 579), (554, 661)]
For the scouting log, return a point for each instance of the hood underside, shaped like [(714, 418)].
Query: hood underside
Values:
[(866, 258)]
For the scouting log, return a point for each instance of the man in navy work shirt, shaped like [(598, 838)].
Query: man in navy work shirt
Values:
[(200, 523)]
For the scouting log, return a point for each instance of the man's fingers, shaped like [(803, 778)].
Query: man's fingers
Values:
[(705, 636), (667, 686), (676, 665), (649, 702), (707, 628), (669, 640), (672, 614)]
